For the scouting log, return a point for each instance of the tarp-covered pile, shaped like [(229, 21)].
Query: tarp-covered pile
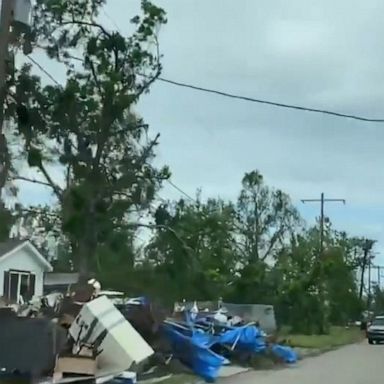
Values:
[(197, 340)]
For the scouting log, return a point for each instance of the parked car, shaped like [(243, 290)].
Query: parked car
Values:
[(375, 330)]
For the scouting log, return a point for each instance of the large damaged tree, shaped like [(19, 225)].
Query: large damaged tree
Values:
[(265, 221), (266, 218), (86, 128)]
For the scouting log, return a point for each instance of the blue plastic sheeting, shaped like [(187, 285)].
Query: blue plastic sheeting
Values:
[(194, 352), (247, 338), (124, 378), (285, 353), (192, 346)]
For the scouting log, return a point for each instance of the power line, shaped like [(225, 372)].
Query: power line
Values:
[(244, 98), (268, 102), (229, 95), (42, 69), (112, 21), (225, 94), (256, 100), (181, 191)]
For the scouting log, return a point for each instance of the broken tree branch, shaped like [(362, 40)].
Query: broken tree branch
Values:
[(56, 189)]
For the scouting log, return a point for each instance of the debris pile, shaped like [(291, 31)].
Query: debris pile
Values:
[(207, 341), (78, 337), (103, 336)]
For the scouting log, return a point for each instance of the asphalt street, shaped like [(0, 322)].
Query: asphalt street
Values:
[(354, 364)]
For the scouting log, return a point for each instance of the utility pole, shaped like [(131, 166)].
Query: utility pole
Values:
[(367, 247), (319, 264), (322, 202), (15, 14), (378, 267), (369, 283), (368, 244), (6, 17), (365, 257)]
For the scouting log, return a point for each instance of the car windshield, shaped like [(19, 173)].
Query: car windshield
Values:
[(378, 321)]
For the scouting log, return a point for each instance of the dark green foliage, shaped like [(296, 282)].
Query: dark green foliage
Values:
[(87, 127), (256, 252), (199, 261), (6, 222)]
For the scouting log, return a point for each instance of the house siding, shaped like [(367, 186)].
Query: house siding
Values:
[(23, 260)]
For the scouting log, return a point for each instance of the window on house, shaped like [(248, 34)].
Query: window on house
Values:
[(19, 285), (24, 286), (13, 287)]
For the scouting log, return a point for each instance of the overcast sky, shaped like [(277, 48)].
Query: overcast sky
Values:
[(323, 54)]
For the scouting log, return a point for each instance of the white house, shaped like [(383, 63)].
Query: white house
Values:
[(22, 269)]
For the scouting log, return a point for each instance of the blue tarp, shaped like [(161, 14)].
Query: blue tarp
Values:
[(192, 345), (194, 352), (247, 338), (287, 354)]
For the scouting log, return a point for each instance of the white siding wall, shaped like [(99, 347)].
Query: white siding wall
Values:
[(23, 260)]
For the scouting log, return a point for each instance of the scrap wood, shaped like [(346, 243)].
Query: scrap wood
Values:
[(76, 365)]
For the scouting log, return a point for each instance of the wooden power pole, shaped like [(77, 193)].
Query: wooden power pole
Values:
[(368, 244), (6, 17), (322, 287), (322, 202)]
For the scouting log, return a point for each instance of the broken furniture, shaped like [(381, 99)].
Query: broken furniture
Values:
[(76, 365)]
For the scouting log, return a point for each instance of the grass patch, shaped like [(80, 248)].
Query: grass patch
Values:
[(337, 337)]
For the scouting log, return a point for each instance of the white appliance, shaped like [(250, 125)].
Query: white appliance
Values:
[(120, 344)]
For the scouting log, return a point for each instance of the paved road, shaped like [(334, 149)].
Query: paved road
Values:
[(354, 364)]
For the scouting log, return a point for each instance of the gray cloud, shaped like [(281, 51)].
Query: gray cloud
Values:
[(318, 54)]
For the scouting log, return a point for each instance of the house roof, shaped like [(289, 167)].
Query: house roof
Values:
[(11, 246)]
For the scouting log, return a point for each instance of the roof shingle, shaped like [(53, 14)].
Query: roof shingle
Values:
[(7, 246)]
